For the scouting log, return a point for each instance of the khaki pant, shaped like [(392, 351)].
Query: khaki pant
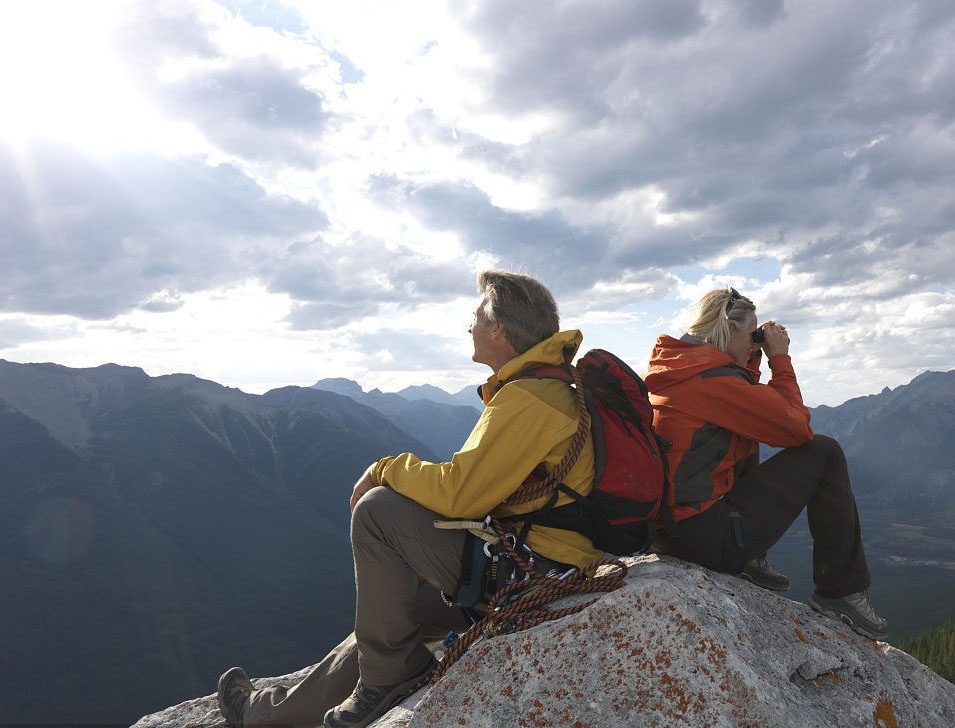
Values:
[(393, 541)]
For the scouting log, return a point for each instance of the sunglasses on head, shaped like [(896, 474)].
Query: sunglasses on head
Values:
[(734, 297)]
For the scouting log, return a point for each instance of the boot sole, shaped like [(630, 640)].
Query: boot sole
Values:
[(224, 680), (871, 634), (399, 693), (763, 585)]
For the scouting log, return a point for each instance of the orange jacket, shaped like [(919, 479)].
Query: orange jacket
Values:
[(715, 413)]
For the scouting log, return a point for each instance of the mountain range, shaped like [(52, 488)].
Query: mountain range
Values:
[(439, 419), (156, 530), (900, 446)]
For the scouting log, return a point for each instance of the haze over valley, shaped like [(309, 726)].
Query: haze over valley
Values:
[(168, 527)]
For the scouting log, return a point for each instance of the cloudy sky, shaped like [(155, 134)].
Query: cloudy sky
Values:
[(268, 192)]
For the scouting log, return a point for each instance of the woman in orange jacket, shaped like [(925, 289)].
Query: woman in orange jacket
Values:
[(730, 508)]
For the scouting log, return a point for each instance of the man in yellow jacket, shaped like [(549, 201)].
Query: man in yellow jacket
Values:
[(526, 423)]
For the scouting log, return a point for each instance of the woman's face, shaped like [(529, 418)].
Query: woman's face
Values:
[(741, 346)]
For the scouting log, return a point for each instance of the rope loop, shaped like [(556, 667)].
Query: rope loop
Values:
[(530, 608), (532, 491)]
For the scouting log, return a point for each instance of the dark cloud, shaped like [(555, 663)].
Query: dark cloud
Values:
[(549, 53), (761, 12), (254, 107), (821, 130), (337, 284), (14, 332), (329, 314), (570, 259), (544, 245), (96, 238)]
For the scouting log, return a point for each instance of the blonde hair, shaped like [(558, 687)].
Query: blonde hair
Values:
[(713, 324), (523, 307)]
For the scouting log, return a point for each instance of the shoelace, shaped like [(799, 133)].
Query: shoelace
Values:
[(364, 696), (235, 698), (860, 602)]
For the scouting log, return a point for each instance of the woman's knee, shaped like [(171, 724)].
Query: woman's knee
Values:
[(826, 442), (828, 446)]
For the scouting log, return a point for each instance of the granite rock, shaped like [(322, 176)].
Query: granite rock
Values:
[(678, 645)]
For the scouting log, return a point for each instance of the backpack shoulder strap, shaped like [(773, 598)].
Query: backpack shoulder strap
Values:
[(561, 373), (533, 490)]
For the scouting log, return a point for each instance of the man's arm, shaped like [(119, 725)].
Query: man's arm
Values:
[(365, 483), (515, 433)]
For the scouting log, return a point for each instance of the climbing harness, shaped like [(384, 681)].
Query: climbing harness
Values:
[(503, 567), (521, 603)]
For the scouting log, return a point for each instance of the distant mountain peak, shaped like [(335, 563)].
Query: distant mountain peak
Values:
[(925, 376), (339, 385), (419, 391), (463, 397)]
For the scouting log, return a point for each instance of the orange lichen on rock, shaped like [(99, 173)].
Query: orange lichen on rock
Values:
[(885, 715), (801, 636)]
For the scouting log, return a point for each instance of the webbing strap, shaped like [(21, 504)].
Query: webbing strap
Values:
[(532, 491), (481, 529)]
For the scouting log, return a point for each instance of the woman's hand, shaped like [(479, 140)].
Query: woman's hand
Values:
[(777, 340), (364, 484)]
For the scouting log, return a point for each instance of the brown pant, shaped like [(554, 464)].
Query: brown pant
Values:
[(393, 541)]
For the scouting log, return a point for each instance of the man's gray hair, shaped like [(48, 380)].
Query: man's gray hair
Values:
[(521, 305)]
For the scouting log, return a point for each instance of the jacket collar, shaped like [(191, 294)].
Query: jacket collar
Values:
[(676, 360), (552, 351)]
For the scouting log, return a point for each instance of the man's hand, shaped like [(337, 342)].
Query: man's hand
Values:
[(777, 340), (364, 484)]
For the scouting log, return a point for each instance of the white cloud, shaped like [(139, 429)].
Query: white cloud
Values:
[(346, 167)]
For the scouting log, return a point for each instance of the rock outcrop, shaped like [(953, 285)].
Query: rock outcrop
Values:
[(679, 645)]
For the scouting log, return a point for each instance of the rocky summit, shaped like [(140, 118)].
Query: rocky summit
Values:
[(679, 645)]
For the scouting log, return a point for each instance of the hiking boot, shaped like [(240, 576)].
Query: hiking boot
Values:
[(855, 611), (368, 703), (234, 690), (761, 573)]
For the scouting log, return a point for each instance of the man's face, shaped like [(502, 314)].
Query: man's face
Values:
[(482, 334)]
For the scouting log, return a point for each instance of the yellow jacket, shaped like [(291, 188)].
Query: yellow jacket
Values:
[(525, 423)]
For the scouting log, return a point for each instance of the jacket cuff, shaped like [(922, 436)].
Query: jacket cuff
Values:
[(780, 361), (377, 470)]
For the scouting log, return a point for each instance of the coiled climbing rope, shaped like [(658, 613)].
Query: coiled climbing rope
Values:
[(532, 491), (530, 608)]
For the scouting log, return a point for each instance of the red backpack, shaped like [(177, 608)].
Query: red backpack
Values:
[(630, 488)]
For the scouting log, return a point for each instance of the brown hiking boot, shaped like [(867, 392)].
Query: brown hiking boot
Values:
[(234, 690), (855, 611), (368, 703), (761, 573)]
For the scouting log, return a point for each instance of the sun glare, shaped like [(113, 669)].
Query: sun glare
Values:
[(61, 79)]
